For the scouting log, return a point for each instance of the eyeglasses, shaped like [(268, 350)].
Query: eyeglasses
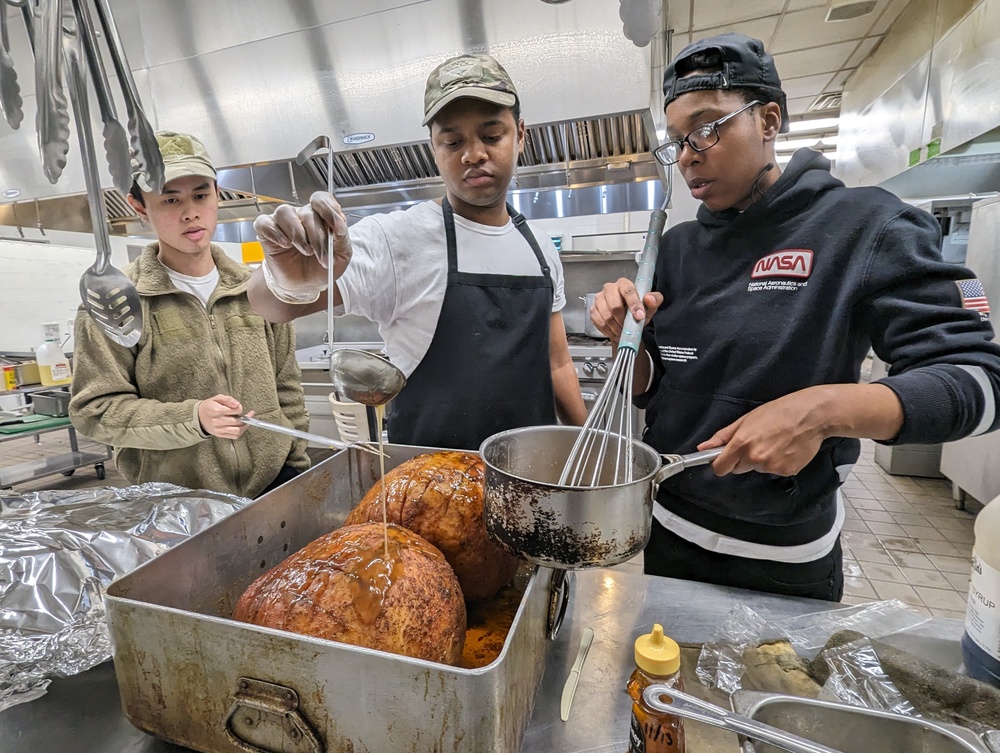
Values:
[(700, 139)]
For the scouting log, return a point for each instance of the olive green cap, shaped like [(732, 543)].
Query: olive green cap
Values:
[(476, 76), (183, 155)]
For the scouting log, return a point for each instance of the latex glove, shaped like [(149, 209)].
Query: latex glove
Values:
[(780, 437), (615, 300), (219, 416), (295, 247)]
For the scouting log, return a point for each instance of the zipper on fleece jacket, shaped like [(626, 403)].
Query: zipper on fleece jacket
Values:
[(229, 390)]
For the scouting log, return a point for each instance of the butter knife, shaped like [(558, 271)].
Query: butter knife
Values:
[(569, 689)]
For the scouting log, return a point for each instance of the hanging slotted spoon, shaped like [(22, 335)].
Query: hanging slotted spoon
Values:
[(108, 295)]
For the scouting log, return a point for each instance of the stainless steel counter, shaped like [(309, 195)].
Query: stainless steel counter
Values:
[(82, 713)]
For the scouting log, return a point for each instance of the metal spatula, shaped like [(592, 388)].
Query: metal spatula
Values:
[(108, 295)]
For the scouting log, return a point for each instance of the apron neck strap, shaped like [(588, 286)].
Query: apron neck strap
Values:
[(519, 222)]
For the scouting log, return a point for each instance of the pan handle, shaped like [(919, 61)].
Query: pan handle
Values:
[(267, 713), (559, 590), (691, 707), (697, 458), (673, 464)]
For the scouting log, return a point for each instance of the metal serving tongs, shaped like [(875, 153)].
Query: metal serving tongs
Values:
[(145, 150), (116, 140), (10, 91), (690, 707), (52, 117), (333, 444), (108, 295)]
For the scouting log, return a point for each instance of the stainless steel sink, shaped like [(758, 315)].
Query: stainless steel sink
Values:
[(851, 729)]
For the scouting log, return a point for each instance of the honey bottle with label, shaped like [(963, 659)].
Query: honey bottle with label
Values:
[(657, 662)]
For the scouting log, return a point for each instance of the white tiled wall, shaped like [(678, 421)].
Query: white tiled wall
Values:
[(41, 283), (38, 283)]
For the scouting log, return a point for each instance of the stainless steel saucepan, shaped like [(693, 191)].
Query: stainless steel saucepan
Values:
[(531, 515)]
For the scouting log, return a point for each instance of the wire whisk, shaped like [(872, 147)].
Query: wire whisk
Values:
[(609, 424)]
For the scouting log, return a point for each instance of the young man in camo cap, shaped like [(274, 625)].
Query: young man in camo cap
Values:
[(467, 295), (170, 406)]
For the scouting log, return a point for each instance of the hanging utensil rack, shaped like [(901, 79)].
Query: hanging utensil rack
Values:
[(67, 53)]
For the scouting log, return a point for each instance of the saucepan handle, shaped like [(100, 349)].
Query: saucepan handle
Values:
[(701, 458), (992, 740), (559, 590), (674, 464), (690, 707)]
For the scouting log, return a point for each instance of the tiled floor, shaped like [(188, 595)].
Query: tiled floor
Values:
[(903, 537)]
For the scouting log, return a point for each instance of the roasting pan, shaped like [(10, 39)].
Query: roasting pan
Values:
[(192, 676)]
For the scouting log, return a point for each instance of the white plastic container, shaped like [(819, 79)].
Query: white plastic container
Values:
[(53, 365), (981, 641)]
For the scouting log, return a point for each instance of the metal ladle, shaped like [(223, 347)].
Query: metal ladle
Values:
[(365, 377)]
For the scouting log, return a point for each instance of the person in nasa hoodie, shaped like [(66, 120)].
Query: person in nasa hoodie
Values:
[(762, 311)]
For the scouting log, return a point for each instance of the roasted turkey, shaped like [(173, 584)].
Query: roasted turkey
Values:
[(341, 587), (439, 496)]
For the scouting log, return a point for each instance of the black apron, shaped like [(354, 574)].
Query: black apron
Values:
[(487, 368)]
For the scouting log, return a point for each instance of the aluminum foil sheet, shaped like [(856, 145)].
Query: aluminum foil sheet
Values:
[(58, 552)]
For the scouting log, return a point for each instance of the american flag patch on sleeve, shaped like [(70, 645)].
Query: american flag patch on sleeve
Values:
[(974, 297)]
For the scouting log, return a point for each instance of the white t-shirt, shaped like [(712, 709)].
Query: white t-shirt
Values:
[(399, 272), (200, 287)]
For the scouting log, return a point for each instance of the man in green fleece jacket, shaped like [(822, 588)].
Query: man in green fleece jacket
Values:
[(170, 405)]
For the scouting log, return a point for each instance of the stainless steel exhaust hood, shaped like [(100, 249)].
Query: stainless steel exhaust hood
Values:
[(256, 80)]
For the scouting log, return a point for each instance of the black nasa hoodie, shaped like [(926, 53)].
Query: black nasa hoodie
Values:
[(789, 294)]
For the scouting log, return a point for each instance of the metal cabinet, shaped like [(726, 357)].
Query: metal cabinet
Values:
[(973, 464), (905, 459)]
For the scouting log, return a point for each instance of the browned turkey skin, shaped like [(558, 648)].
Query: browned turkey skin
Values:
[(439, 496), (343, 588)]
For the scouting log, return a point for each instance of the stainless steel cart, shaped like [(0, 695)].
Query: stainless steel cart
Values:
[(65, 462)]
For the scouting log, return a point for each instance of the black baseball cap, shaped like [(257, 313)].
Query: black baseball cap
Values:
[(745, 65)]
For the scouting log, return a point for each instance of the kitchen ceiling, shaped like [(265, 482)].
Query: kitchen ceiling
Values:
[(258, 79), (814, 58)]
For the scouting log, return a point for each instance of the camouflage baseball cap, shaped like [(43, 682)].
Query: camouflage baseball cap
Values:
[(183, 155), (476, 76)]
